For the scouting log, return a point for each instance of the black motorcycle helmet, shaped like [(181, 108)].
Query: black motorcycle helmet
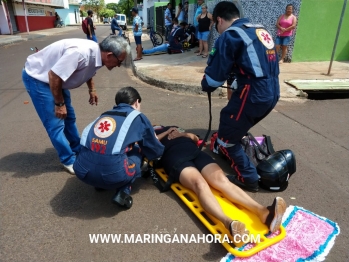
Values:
[(276, 170)]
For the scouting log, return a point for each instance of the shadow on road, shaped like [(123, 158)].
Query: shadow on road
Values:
[(25, 164), (79, 200)]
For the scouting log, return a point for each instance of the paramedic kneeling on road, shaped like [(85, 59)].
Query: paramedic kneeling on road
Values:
[(113, 146), (248, 51)]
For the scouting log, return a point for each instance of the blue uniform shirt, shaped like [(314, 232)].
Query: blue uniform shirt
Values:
[(249, 52), (114, 23), (106, 128)]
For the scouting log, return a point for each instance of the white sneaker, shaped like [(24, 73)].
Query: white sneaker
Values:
[(69, 169)]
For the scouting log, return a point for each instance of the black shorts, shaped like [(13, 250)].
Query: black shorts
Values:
[(171, 158)]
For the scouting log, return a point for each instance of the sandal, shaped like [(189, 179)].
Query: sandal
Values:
[(136, 59), (276, 212), (204, 56), (237, 230), (199, 54)]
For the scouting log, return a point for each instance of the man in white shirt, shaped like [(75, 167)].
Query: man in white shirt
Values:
[(67, 64)]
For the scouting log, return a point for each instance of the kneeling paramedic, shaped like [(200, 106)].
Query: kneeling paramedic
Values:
[(113, 146), (248, 51)]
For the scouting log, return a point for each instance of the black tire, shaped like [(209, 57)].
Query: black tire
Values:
[(157, 39)]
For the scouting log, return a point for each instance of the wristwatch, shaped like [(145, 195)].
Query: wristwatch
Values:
[(60, 104)]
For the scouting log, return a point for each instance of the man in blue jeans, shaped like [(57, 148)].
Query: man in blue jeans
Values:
[(114, 25), (168, 21), (48, 76), (90, 27)]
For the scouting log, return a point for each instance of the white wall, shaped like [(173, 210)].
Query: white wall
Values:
[(146, 4), (3, 21)]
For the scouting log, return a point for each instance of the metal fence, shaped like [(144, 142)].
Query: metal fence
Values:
[(160, 19)]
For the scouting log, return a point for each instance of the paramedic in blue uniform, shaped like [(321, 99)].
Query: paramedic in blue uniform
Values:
[(113, 146), (248, 51)]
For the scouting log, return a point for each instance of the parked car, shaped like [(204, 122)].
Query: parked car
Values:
[(106, 20), (121, 19)]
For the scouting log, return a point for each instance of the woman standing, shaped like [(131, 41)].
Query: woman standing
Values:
[(205, 23), (285, 24), (180, 14)]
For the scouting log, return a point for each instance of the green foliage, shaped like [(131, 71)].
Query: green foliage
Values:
[(113, 6), (106, 13), (95, 5), (83, 13)]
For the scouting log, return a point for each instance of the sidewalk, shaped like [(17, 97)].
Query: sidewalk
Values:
[(10, 39), (183, 72)]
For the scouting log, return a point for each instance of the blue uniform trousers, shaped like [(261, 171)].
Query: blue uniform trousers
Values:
[(109, 172), (235, 121)]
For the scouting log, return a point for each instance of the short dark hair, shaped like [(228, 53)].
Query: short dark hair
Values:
[(226, 10), (89, 12), (183, 24), (127, 95), (175, 20), (290, 5), (168, 4), (135, 9), (180, 5)]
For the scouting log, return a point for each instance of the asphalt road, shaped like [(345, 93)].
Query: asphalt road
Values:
[(47, 214)]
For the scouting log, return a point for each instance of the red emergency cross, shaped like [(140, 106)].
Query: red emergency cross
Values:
[(104, 126), (266, 37)]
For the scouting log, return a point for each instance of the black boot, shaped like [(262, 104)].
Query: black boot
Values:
[(251, 187), (122, 199)]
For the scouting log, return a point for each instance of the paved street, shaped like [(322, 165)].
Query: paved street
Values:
[(47, 214)]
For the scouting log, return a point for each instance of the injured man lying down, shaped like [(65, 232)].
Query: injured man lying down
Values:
[(202, 172)]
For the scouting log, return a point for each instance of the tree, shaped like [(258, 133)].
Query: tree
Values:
[(113, 6), (107, 13), (125, 6), (95, 5)]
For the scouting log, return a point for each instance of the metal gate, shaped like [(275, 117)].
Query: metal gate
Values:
[(12, 16), (160, 19)]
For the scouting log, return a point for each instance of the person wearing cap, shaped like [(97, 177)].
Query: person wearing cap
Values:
[(248, 51), (90, 27), (49, 75), (137, 32)]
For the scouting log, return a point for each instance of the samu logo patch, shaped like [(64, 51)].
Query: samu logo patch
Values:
[(104, 127), (265, 38)]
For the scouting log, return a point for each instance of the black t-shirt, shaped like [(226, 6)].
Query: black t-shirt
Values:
[(90, 22)]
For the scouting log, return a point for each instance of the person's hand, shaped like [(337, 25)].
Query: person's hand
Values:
[(61, 112), (175, 134), (90, 36), (93, 98), (283, 29), (205, 86)]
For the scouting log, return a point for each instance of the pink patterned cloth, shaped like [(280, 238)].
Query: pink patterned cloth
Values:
[(306, 233)]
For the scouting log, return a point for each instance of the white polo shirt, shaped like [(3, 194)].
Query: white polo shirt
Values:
[(74, 60)]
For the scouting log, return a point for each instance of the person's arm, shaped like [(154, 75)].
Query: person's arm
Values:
[(92, 91), (89, 28), (294, 23), (55, 83), (163, 134), (220, 62), (179, 11), (197, 18), (278, 24), (211, 20), (175, 134)]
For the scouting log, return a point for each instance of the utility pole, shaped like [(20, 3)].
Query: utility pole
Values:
[(336, 40)]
